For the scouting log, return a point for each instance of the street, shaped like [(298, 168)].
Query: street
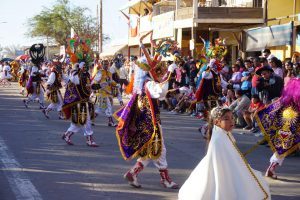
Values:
[(37, 164)]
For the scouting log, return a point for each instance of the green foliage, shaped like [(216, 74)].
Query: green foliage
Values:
[(56, 23)]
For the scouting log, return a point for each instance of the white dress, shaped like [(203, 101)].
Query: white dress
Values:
[(6, 69), (224, 174)]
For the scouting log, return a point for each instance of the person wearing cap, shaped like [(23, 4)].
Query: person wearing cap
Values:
[(104, 92), (53, 92), (77, 106), (270, 85)]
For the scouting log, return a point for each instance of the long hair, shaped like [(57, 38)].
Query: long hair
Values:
[(216, 113)]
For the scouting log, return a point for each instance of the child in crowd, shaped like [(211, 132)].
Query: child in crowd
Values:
[(255, 105)]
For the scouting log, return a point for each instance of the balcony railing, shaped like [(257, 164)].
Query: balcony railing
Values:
[(187, 5)]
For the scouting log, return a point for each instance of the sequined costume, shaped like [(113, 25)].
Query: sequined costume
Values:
[(280, 124), (53, 93), (77, 107), (139, 131)]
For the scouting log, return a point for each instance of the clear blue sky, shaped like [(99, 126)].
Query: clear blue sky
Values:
[(17, 12)]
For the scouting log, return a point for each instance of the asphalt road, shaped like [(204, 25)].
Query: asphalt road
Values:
[(37, 164)]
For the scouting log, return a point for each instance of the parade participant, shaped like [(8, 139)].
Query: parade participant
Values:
[(53, 93), (76, 105), (6, 76), (34, 85), (139, 131), (223, 173), (279, 122), (104, 85), (114, 69), (211, 83), (23, 78)]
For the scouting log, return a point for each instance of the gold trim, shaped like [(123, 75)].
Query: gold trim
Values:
[(267, 137)]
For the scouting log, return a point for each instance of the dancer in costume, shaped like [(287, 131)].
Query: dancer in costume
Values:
[(53, 93), (34, 85), (223, 173), (139, 130), (211, 83), (115, 73), (280, 124), (77, 106), (23, 77), (104, 85)]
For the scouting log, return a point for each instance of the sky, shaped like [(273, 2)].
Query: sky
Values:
[(15, 14)]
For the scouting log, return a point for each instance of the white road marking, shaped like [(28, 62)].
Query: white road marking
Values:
[(18, 181)]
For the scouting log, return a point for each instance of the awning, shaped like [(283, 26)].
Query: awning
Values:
[(272, 36), (137, 6), (113, 50)]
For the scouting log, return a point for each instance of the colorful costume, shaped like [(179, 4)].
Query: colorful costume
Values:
[(34, 85), (139, 132), (105, 89), (77, 106), (211, 82), (23, 78), (280, 124), (53, 93)]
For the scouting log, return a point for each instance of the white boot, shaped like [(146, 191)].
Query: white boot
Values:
[(131, 175), (166, 181)]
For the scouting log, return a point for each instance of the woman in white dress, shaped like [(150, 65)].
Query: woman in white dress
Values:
[(5, 75), (223, 173)]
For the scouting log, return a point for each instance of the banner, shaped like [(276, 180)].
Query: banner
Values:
[(163, 25), (134, 20)]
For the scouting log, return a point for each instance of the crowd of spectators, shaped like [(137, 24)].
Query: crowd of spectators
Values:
[(251, 84)]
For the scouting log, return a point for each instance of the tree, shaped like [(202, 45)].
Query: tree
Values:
[(56, 23)]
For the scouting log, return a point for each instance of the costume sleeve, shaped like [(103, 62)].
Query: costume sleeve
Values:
[(157, 90), (207, 75), (51, 79), (223, 82), (97, 77), (34, 70), (172, 68), (65, 78), (74, 79)]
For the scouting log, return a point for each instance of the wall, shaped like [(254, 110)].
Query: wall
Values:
[(281, 8)]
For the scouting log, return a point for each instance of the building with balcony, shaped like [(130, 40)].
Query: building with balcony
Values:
[(282, 31), (186, 20)]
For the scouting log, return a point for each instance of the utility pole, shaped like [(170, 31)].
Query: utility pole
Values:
[(100, 28)]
